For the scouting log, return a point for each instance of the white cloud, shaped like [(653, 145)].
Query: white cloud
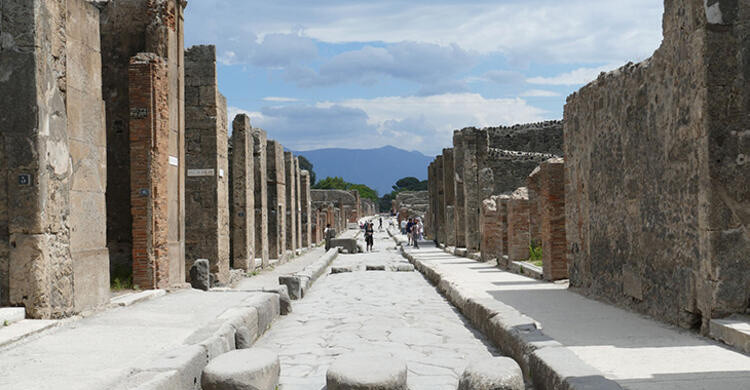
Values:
[(575, 77), (279, 99), (540, 93)]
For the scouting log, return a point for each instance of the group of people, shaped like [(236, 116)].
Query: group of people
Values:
[(414, 230)]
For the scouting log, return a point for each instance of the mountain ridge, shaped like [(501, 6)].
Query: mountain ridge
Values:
[(378, 168)]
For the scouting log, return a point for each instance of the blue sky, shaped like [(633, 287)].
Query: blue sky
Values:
[(365, 74)]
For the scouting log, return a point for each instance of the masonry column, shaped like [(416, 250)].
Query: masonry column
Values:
[(552, 207), (260, 176), (535, 204), (291, 202), (276, 200), (298, 197), (472, 195), (491, 230), (149, 165), (242, 194), (518, 225), (439, 213), (459, 211), (206, 186), (449, 199), (308, 217), (502, 211), (429, 223)]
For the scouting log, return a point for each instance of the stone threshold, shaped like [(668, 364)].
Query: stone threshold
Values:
[(733, 331)]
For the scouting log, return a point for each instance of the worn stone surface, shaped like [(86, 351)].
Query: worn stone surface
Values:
[(498, 373), (207, 181), (396, 313), (367, 371), (247, 369), (129, 28), (260, 173), (657, 177), (243, 195), (276, 200)]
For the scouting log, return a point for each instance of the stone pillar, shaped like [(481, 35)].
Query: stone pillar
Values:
[(276, 200), (243, 194), (206, 186), (449, 198), (473, 158), (552, 207), (298, 198), (518, 225), (307, 215), (260, 176), (429, 223), (149, 165), (492, 240), (291, 202), (53, 255), (460, 210), (535, 222), (439, 213)]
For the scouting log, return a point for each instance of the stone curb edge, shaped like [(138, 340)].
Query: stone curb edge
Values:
[(547, 363), (182, 367), (299, 283)]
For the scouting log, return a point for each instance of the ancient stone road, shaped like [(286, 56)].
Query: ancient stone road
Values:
[(399, 313)]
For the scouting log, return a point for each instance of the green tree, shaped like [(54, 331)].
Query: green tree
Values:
[(338, 183), (307, 165)]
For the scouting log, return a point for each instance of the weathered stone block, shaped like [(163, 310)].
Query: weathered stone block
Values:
[(518, 225)]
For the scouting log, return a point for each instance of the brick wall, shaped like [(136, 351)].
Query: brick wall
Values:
[(149, 143), (518, 225), (551, 203), (491, 230)]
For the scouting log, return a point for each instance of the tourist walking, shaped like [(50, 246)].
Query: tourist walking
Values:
[(416, 232), (380, 226), (403, 226), (369, 232)]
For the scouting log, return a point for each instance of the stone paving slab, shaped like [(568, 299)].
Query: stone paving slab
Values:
[(396, 313), (632, 350)]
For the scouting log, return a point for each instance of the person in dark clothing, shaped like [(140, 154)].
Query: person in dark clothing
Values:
[(369, 233), (409, 226)]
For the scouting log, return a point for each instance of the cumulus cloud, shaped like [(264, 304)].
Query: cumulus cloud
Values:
[(280, 99), (276, 50), (575, 77), (539, 93), (418, 62)]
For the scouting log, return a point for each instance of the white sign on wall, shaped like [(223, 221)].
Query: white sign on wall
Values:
[(200, 172)]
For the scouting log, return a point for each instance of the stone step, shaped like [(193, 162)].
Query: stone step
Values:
[(733, 330), (9, 315)]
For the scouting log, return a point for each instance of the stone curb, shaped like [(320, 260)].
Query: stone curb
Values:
[(129, 299), (300, 282), (181, 367), (547, 363)]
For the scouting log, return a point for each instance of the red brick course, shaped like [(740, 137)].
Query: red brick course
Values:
[(552, 215)]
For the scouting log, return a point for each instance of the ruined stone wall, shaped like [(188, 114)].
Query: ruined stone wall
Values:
[(276, 200), (242, 194), (551, 208), (449, 201), (518, 225), (298, 197), (206, 187), (439, 211), (535, 221), (291, 201), (53, 258), (459, 212), (260, 176), (129, 27), (542, 137), (657, 192), (475, 150), (308, 217), (338, 197), (491, 230)]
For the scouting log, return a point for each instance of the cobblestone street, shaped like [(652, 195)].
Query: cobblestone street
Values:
[(398, 313)]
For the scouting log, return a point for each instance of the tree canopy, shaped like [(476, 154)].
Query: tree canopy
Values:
[(307, 165), (338, 183)]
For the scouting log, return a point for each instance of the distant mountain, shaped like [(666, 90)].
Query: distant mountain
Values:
[(379, 169)]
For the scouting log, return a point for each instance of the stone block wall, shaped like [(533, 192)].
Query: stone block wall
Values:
[(542, 137), (658, 189), (518, 225), (491, 230), (475, 154), (53, 259), (276, 200), (291, 201), (307, 216), (459, 212), (260, 176), (551, 206), (149, 162), (502, 211), (449, 198), (535, 222), (243, 194), (206, 187)]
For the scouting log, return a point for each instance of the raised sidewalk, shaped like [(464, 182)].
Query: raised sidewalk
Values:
[(565, 340)]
